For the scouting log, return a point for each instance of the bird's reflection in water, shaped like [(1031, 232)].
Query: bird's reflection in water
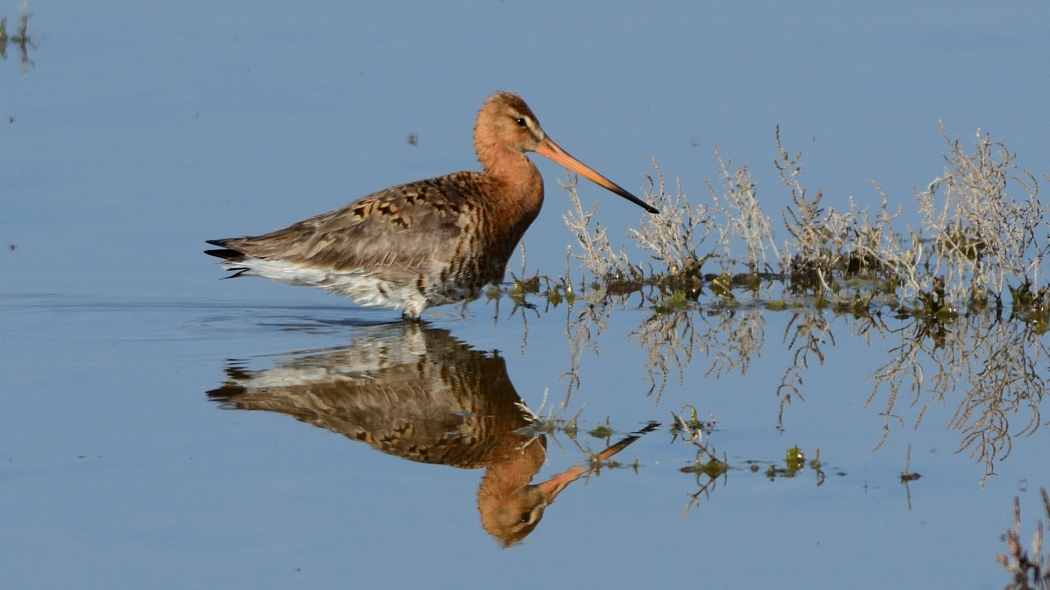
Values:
[(418, 393)]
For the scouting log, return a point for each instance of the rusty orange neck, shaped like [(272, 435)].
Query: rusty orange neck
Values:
[(516, 187)]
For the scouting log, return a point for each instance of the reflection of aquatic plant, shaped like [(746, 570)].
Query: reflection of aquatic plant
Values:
[(589, 321), (22, 37), (995, 362), (1031, 306), (731, 339), (810, 331), (669, 341), (1030, 572), (707, 467), (908, 476)]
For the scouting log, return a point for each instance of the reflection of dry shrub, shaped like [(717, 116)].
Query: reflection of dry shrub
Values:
[(810, 331), (996, 363), (731, 339)]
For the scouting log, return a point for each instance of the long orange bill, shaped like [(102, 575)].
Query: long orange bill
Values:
[(550, 150)]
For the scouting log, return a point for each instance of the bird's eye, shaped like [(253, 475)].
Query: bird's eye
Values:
[(525, 516), (521, 122)]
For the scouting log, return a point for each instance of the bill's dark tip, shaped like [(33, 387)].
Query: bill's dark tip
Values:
[(637, 201)]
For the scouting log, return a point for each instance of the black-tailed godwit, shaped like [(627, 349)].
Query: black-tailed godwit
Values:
[(425, 243)]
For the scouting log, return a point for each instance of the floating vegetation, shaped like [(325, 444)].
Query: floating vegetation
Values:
[(602, 431), (692, 430), (708, 467), (794, 464)]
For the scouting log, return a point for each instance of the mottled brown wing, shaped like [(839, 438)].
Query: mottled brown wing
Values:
[(404, 227)]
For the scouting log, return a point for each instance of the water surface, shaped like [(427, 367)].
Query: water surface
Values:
[(141, 131)]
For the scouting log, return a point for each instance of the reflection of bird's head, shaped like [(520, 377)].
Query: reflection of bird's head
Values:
[(511, 518), (510, 507)]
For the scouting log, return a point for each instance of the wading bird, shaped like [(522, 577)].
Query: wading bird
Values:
[(425, 243)]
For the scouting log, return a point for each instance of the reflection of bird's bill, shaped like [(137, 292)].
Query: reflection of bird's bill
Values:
[(554, 486)]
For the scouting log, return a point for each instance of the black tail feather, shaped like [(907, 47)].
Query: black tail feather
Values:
[(225, 254), (228, 254), (224, 251)]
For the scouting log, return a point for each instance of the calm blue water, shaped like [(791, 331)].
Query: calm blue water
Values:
[(142, 131)]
